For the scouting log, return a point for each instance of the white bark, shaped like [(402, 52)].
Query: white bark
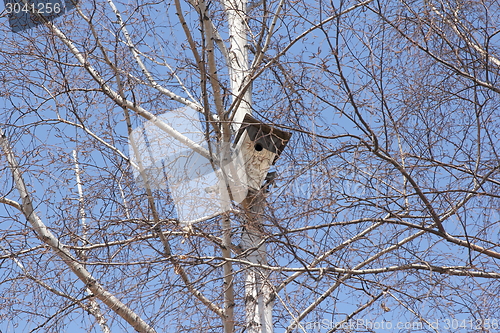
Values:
[(259, 305), (456, 24), (46, 236), (94, 305), (96, 312), (123, 102), (258, 288), (238, 59)]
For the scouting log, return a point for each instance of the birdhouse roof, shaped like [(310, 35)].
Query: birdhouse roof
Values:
[(272, 138)]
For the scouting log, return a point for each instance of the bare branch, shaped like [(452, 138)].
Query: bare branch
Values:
[(44, 234)]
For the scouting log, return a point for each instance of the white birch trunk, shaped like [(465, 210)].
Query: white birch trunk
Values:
[(257, 286), (259, 307), (238, 57)]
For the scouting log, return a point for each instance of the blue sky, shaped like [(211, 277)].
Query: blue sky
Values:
[(431, 127)]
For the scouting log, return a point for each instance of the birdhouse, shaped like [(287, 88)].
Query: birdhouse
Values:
[(259, 145)]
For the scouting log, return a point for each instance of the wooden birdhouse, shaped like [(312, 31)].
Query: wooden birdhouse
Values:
[(259, 145)]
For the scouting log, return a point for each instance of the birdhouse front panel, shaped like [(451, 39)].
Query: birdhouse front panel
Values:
[(259, 145), (257, 161)]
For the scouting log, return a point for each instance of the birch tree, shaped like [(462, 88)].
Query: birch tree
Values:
[(381, 214)]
